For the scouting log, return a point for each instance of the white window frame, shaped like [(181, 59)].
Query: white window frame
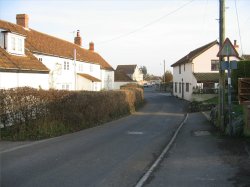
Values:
[(66, 65), (13, 43)]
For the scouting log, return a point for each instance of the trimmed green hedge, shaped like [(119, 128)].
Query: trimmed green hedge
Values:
[(242, 71)]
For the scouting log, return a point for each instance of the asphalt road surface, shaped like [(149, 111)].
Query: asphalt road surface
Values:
[(114, 154)]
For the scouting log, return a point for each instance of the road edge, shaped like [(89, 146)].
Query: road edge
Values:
[(146, 176)]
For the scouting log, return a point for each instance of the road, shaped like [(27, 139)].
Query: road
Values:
[(115, 154)]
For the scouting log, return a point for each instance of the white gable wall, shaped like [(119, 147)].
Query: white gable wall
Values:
[(202, 63)]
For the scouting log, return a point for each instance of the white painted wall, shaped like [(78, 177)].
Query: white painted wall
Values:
[(12, 80), (59, 77), (202, 63), (186, 76)]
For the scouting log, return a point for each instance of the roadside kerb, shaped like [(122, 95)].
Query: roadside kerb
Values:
[(145, 177)]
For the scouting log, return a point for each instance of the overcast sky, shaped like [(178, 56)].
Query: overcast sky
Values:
[(143, 32)]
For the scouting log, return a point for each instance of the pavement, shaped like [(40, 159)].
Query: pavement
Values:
[(202, 157)]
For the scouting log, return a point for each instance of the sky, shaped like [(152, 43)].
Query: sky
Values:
[(142, 32)]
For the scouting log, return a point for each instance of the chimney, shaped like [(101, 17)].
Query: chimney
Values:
[(91, 46), (236, 46), (78, 39), (22, 20)]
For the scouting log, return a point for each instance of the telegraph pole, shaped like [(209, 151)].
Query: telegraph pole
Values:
[(164, 75), (222, 72)]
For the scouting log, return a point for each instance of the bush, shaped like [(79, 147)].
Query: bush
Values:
[(27, 113)]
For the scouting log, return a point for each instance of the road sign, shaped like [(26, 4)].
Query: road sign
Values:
[(227, 49), (225, 65)]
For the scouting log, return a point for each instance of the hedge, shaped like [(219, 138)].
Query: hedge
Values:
[(27, 113)]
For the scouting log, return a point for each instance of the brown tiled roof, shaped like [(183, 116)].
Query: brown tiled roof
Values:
[(120, 76), (128, 69), (190, 56), (211, 77), (28, 62), (89, 77), (38, 42), (245, 57)]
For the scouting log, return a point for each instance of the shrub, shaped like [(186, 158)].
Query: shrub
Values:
[(27, 113)]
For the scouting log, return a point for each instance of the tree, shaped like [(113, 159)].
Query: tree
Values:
[(144, 71), (168, 76)]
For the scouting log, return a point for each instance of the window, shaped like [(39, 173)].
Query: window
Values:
[(65, 86), (179, 69), (179, 87), (91, 68), (13, 43), (175, 87), (80, 67), (214, 65), (66, 66), (187, 87), (19, 45), (184, 66)]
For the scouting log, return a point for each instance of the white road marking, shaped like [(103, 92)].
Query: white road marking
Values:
[(135, 133), (145, 177)]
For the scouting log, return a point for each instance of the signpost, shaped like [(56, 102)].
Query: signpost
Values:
[(228, 50)]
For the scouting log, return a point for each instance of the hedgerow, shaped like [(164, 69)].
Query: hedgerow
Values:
[(27, 113)]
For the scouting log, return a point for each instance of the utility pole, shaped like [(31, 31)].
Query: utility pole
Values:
[(222, 72), (164, 75), (75, 69)]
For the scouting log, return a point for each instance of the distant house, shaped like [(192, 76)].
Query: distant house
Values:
[(67, 65), (121, 78), (197, 70), (132, 71), (245, 57)]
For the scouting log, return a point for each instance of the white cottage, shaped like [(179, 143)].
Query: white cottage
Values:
[(70, 66), (132, 71), (18, 66), (199, 69)]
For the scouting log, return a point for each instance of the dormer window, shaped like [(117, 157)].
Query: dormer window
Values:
[(12, 42), (19, 45)]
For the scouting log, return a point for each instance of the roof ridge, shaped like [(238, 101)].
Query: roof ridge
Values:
[(194, 53), (58, 47)]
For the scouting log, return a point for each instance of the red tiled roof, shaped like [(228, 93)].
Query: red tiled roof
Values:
[(38, 42), (28, 62), (89, 77), (190, 56)]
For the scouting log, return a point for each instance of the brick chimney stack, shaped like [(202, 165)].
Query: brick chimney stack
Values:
[(78, 39), (91, 46), (22, 20), (236, 46)]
